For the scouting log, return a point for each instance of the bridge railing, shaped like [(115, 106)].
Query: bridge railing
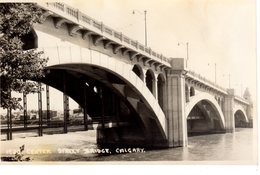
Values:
[(238, 98), (84, 19), (241, 100), (206, 80), (75, 15)]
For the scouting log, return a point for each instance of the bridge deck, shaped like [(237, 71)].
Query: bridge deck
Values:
[(87, 23), (83, 22)]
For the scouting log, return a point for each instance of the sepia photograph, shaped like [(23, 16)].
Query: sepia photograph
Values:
[(127, 81)]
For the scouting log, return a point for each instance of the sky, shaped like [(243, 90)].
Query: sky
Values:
[(219, 32)]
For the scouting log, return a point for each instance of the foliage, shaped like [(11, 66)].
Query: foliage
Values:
[(18, 157), (16, 64)]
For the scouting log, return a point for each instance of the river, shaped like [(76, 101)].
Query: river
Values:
[(232, 148)]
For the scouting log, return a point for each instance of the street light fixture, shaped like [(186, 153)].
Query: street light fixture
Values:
[(145, 24)]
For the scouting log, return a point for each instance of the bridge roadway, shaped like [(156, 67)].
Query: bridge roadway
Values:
[(110, 74)]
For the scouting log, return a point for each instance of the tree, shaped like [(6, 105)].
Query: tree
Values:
[(16, 64)]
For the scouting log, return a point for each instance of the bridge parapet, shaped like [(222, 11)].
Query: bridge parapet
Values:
[(238, 99), (80, 21), (241, 100), (197, 77)]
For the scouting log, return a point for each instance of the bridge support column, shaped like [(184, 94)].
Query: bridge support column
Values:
[(249, 115), (228, 111), (177, 123), (249, 108), (66, 112), (102, 94), (65, 106), (85, 109)]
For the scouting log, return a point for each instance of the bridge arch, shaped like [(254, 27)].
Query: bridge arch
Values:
[(150, 81), (126, 83), (161, 89), (240, 117), (137, 69), (192, 91), (209, 100)]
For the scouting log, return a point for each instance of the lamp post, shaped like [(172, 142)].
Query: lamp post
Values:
[(145, 27), (187, 52), (145, 24)]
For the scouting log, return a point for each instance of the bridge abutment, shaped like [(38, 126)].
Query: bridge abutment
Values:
[(177, 123)]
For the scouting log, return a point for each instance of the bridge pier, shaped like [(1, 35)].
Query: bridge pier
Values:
[(228, 111), (249, 108), (65, 106), (85, 110), (177, 123), (66, 112)]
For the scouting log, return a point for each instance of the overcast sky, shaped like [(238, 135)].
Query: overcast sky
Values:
[(218, 31), (221, 32)]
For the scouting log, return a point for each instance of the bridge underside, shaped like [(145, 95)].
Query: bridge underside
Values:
[(203, 119), (240, 119), (108, 98)]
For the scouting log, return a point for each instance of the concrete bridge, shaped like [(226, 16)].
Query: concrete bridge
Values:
[(111, 75)]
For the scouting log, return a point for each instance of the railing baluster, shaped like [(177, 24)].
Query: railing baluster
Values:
[(79, 16)]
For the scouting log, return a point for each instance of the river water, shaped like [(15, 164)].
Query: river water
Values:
[(233, 148)]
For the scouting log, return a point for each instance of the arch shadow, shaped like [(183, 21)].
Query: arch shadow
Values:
[(211, 101)]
